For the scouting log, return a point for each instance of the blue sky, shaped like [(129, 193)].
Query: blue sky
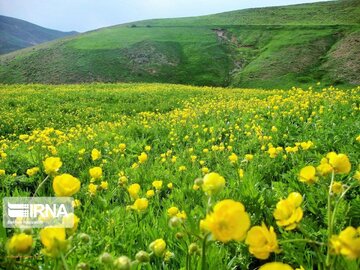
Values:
[(84, 15)]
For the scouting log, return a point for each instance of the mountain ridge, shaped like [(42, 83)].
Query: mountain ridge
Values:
[(282, 53), (18, 34)]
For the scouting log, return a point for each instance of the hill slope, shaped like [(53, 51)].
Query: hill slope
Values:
[(17, 34), (266, 47)]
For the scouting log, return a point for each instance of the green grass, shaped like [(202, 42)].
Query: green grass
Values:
[(179, 121), (343, 12)]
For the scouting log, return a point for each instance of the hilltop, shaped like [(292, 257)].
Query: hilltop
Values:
[(262, 47), (17, 34)]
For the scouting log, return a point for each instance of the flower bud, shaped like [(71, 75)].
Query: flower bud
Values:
[(28, 231), (85, 238), (82, 266), (122, 263), (198, 181), (175, 222), (179, 235), (142, 256), (106, 258), (158, 247), (193, 249)]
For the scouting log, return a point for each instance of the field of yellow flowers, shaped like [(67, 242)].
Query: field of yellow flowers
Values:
[(182, 177)]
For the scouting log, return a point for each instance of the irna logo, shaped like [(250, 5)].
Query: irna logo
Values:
[(38, 212)]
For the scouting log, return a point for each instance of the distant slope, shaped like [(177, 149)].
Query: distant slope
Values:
[(266, 47), (319, 13), (17, 34)]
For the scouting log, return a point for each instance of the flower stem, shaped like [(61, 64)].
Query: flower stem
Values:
[(64, 261), (203, 255), (302, 240), (337, 204), (330, 220), (187, 260), (46, 178)]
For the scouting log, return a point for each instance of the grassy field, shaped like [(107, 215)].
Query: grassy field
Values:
[(261, 48), (170, 140), (343, 12)]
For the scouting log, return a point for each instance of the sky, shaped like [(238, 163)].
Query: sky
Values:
[(85, 15)]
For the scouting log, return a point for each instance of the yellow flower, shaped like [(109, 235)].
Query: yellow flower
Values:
[(92, 189), (150, 193), (147, 148), (291, 149), (213, 183), (357, 175), (140, 204), (205, 170), (158, 247), (288, 212), (123, 180), (182, 168), (66, 185), (52, 165), (32, 171), (95, 172), (170, 186), (195, 187), (306, 145), (95, 154), (71, 222), (181, 215), (172, 211), (249, 157), (54, 241), (272, 152), (339, 162), (20, 244), (53, 150), (274, 129), (2, 172), (276, 266), (104, 185), (168, 255), (347, 243), (134, 190), (122, 147), (143, 157), (262, 241), (337, 187), (157, 184), (241, 173), (227, 222), (233, 158), (76, 203), (324, 168), (308, 175), (24, 137), (358, 138), (135, 166)]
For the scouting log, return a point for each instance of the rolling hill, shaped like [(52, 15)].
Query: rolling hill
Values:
[(262, 47), (17, 34)]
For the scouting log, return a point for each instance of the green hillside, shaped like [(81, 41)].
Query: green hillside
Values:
[(17, 34), (265, 47)]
